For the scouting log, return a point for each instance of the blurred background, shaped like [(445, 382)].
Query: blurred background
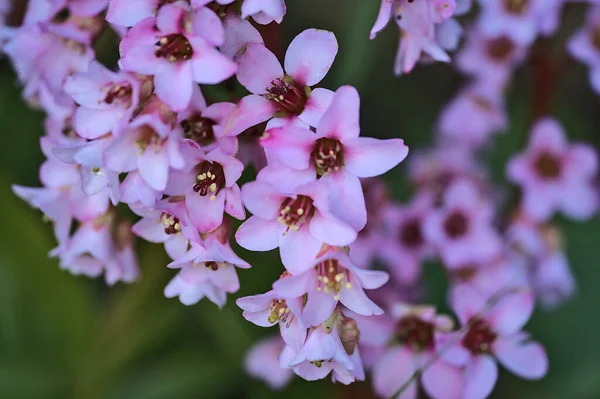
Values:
[(70, 337)]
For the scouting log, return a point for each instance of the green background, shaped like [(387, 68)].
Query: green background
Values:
[(70, 337)]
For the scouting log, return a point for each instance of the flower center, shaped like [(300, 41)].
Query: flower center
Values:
[(456, 224), (479, 338), (121, 93), (415, 332), (214, 266), (210, 179), (294, 212), (289, 98), (199, 129), (500, 49), (595, 37), (68, 130), (171, 224), (147, 137), (327, 156), (319, 363), (174, 48), (548, 166), (516, 6), (411, 235), (280, 311), (332, 277), (465, 273)]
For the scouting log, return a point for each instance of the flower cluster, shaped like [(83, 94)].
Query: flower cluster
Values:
[(141, 135)]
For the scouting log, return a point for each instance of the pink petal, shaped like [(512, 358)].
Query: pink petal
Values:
[(480, 377), (385, 13), (392, 370), (291, 145), (256, 303), (257, 234), (262, 199), (169, 17), (258, 67), (466, 302), (525, 359), (297, 285), (233, 203), (368, 157), (310, 55), (511, 313), (250, 111), (177, 246), (208, 26), (174, 86), (142, 59), (582, 201), (154, 167), (209, 65), (128, 12), (443, 381), (298, 249), (238, 32), (331, 231), (340, 121), (355, 299), (370, 279), (260, 317), (293, 333), (548, 133), (584, 160), (93, 123), (206, 214), (316, 105), (347, 201), (319, 307)]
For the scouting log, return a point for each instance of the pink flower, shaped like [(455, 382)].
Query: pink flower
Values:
[(435, 169), (87, 156), (461, 229), (585, 46), (262, 362), (136, 193), (93, 249), (436, 10), (290, 211), (494, 335), (483, 105), (264, 11), (416, 329), (518, 20), (366, 248), (416, 21), (170, 224), (206, 124), (324, 353), (554, 175), (332, 278), (539, 248), (209, 184), (275, 93), (206, 270), (490, 59), (337, 154), (268, 309), (107, 100), (43, 59), (238, 32), (175, 54), (402, 243)]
